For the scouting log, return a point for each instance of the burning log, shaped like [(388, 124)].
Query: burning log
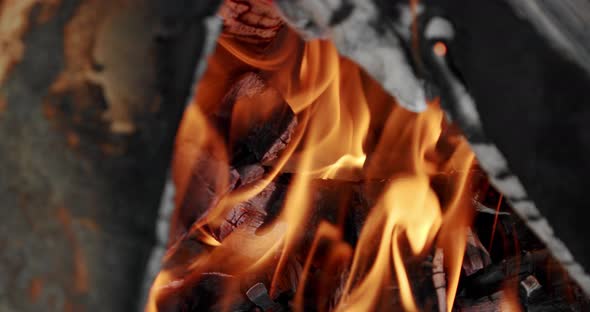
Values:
[(259, 295), (248, 215), (261, 144), (490, 279)]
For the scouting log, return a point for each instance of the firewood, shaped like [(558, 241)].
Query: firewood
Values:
[(247, 215), (251, 21), (491, 278), (500, 151), (439, 279), (476, 256), (203, 191), (265, 141), (251, 173), (490, 303), (530, 288), (206, 292), (268, 130), (259, 295)]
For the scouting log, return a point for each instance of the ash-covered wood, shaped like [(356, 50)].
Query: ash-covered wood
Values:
[(359, 33)]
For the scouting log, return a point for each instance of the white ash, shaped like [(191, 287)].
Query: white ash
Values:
[(379, 52)]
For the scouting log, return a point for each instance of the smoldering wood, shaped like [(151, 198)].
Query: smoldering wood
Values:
[(85, 141), (490, 279), (259, 295), (205, 296), (486, 304), (530, 288), (332, 201), (203, 191), (476, 289), (263, 143), (476, 255), (439, 279), (248, 215)]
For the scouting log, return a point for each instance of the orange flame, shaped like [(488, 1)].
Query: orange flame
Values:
[(349, 129), (509, 301)]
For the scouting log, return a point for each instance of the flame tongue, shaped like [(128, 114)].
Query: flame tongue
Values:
[(348, 129)]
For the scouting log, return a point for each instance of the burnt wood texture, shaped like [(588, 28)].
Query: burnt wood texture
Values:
[(91, 93)]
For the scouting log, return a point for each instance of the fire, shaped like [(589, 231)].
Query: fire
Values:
[(348, 129), (510, 301)]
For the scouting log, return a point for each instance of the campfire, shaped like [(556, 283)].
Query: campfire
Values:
[(304, 184)]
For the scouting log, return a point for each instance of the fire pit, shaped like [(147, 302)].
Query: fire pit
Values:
[(303, 184)]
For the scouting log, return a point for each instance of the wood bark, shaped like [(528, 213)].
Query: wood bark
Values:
[(90, 97)]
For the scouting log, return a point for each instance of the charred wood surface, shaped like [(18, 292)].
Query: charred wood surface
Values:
[(90, 96), (343, 204)]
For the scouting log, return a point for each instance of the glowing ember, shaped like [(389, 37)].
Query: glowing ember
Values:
[(440, 49)]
